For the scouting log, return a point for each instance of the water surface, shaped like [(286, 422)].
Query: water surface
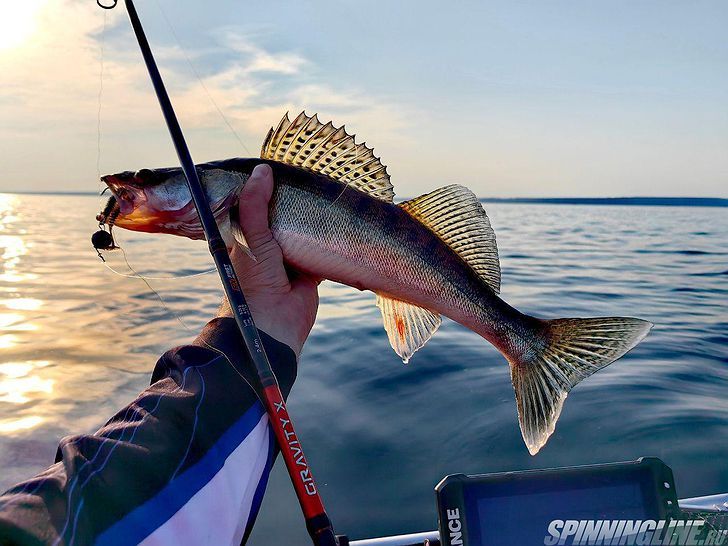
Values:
[(77, 342)]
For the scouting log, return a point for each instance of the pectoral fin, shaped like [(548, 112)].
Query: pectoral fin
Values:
[(408, 327), (238, 235)]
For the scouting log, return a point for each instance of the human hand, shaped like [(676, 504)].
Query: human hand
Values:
[(283, 305)]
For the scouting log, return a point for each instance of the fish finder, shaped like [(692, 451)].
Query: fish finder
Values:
[(518, 507)]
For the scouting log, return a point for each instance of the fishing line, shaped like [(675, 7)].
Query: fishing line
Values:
[(136, 275), (146, 277), (101, 92), (318, 524), (199, 78), (109, 215), (347, 175)]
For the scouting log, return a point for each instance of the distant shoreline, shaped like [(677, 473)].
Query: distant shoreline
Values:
[(623, 201)]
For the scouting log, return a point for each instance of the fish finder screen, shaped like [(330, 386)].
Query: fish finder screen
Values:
[(520, 512)]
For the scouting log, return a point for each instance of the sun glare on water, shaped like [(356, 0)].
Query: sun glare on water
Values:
[(18, 19)]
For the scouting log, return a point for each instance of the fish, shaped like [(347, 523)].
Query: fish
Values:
[(334, 216)]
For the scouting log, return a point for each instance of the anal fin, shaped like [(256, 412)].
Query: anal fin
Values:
[(408, 327)]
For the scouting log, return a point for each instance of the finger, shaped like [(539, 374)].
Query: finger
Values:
[(294, 275), (304, 282), (253, 206)]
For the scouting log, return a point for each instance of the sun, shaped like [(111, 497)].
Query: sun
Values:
[(18, 19)]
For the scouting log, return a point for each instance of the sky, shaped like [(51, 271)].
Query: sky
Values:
[(512, 99)]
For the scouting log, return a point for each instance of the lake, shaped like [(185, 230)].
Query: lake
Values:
[(77, 342)]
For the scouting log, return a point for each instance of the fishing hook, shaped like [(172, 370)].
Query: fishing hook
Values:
[(110, 6)]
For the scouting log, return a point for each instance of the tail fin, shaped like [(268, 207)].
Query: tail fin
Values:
[(564, 352)]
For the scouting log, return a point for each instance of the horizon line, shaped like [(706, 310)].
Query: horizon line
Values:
[(622, 200)]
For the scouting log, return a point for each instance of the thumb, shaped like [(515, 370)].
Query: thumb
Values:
[(253, 206)]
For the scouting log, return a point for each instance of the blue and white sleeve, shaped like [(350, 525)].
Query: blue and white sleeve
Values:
[(186, 463)]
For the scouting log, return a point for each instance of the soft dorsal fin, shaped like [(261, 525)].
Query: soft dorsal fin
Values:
[(322, 148), (408, 327), (455, 215)]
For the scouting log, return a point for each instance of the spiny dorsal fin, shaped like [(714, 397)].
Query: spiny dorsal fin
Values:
[(322, 148), (455, 215), (408, 327)]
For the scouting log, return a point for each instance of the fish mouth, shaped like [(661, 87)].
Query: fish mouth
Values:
[(126, 206), (128, 196), (129, 207), (143, 202)]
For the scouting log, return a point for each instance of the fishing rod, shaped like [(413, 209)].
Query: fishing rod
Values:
[(317, 521)]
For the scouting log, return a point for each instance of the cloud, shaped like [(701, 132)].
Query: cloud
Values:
[(259, 60), (437, 115), (49, 100)]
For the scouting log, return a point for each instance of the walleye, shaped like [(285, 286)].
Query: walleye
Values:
[(333, 215)]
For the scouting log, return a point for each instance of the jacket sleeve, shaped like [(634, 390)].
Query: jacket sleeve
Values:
[(187, 462)]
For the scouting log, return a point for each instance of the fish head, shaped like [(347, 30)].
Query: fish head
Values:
[(159, 200)]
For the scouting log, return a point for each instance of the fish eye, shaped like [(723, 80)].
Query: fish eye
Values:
[(144, 175)]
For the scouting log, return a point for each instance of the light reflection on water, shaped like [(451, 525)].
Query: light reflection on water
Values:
[(22, 304), (18, 381), (24, 423), (77, 342)]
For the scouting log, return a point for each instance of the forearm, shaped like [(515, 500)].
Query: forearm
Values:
[(185, 463)]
